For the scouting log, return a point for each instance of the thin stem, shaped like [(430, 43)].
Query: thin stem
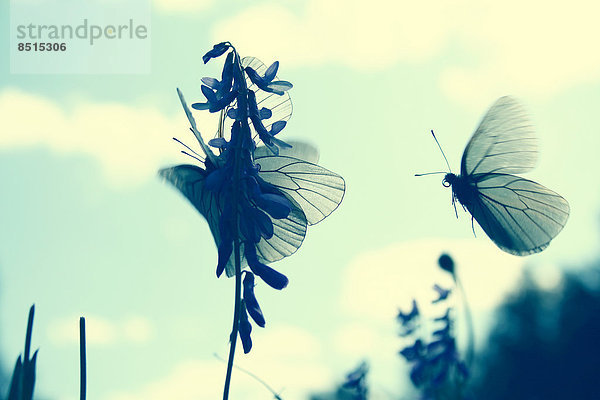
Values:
[(236, 243), (82, 360), (236, 318), (259, 380), (469, 318)]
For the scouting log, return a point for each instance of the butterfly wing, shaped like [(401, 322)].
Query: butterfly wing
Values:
[(280, 105), (189, 180), (300, 150), (288, 233), (519, 215), (315, 189), (503, 143)]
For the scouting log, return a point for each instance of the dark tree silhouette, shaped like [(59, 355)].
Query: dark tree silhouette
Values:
[(545, 343)]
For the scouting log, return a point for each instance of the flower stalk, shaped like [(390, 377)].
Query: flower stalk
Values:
[(255, 215), (241, 99)]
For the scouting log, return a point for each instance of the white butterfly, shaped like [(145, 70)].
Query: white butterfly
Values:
[(520, 216), (314, 192)]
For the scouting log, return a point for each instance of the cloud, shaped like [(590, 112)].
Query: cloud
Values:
[(188, 380), (287, 358), (523, 50), (377, 283), (137, 330), (182, 6), (100, 331), (361, 34), (129, 142), (484, 49)]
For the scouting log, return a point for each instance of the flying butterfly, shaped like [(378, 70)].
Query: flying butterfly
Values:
[(314, 191), (520, 216)]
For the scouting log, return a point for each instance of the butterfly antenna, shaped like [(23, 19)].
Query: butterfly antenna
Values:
[(197, 156), (440, 147), (432, 173), (194, 157)]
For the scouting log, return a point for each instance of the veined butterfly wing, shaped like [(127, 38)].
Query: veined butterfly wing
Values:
[(288, 233), (315, 192), (189, 180), (300, 150), (520, 216), (504, 142), (315, 189), (280, 105)]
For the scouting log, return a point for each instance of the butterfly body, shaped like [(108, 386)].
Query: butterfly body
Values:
[(519, 215), (462, 189)]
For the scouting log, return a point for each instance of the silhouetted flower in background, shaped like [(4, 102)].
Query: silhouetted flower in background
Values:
[(437, 368), (446, 263), (356, 382), (409, 321), (442, 293)]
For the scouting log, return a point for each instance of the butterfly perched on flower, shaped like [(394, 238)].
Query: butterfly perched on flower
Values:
[(258, 201), (520, 216), (312, 192)]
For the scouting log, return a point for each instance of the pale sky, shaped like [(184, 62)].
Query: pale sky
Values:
[(88, 228)]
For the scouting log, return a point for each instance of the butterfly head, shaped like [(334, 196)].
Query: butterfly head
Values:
[(449, 179)]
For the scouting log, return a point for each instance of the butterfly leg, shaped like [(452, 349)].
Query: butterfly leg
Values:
[(454, 205)]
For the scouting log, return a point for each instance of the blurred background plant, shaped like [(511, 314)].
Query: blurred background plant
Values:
[(354, 387), (543, 344), (23, 379), (437, 368), (22, 383)]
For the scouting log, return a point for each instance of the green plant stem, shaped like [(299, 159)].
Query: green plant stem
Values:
[(82, 360), (236, 318), (242, 105), (469, 319)]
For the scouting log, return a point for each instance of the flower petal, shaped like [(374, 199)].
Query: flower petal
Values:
[(271, 277), (245, 329), (224, 252), (216, 51), (211, 83), (277, 127), (276, 205), (250, 300), (271, 71), (211, 97)]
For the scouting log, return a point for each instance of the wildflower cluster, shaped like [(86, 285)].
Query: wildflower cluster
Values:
[(257, 200), (239, 205), (437, 368)]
